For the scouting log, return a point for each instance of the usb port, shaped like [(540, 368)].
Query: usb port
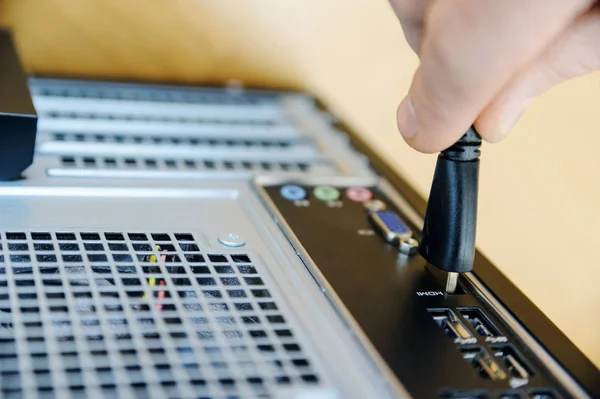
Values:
[(479, 322), (465, 395), (542, 394), (483, 363), (451, 325), (513, 361)]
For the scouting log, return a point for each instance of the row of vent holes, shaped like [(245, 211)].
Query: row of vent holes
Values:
[(100, 138), (153, 118), (255, 382), (63, 236), (151, 95), (191, 164), (227, 383)]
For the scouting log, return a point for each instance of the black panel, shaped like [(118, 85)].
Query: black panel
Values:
[(391, 296), (522, 308)]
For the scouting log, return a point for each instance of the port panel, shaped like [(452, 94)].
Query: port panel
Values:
[(442, 327)]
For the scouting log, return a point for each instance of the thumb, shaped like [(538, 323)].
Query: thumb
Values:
[(470, 51), (575, 53)]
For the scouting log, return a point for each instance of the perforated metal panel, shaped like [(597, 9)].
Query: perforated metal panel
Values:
[(113, 282), (146, 314)]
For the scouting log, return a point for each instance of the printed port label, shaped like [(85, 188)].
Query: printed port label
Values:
[(335, 204), (465, 341), (302, 203), (430, 293), (366, 232)]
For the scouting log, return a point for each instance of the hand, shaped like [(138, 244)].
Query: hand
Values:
[(485, 60)]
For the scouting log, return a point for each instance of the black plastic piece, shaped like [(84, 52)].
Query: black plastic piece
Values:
[(392, 297), (448, 238), (18, 119)]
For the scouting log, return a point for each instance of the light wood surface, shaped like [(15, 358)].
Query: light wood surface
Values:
[(539, 188)]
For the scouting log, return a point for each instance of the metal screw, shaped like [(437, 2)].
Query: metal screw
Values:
[(232, 240), (409, 246), (375, 205)]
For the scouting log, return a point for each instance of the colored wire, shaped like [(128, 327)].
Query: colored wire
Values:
[(152, 280), (161, 296), (161, 293)]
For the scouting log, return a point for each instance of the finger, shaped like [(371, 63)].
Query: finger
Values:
[(411, 14), (576, 53), (470, 50)]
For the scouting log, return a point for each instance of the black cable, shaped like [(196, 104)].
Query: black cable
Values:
[(448, 237)]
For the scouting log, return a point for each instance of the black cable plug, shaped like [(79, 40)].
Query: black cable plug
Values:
[(448, 237)]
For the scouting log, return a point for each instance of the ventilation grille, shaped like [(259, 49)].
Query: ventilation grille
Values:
[(92, 90), (118, 153), (118, 116), (141, 315), (147, 106), (149, 164), (112, 131), (171, 140)]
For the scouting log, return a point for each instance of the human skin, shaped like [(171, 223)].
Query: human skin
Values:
[(483, 61)]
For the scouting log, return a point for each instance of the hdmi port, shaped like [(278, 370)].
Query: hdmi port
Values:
[(483, 363), (513, 361)]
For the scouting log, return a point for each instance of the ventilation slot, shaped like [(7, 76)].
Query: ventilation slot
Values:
[(133, 126), (230, 121), (172, 146), (103, 153), (72, 113), (115, 166), (108, 91), (173, 140), (138, 314)]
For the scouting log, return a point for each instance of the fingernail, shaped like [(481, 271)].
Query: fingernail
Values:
[(407, 120), (508, 119)]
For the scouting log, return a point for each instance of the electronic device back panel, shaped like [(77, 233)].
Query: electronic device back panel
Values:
[(182, 242)]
